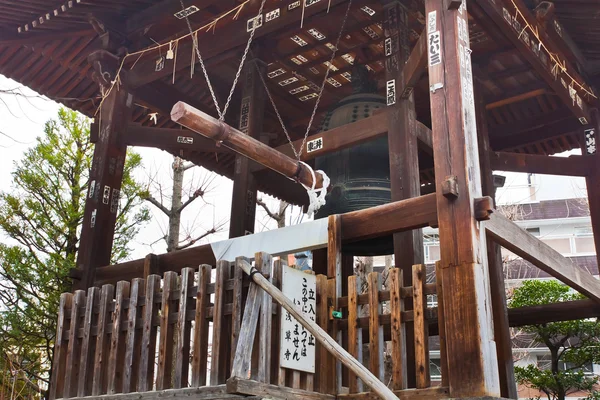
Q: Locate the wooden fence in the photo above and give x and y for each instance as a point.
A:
(182, 331)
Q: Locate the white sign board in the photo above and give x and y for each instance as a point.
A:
(297, 344)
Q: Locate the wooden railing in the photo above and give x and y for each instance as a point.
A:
(179, 334)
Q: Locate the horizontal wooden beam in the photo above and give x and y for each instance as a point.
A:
(170, 139)
(197, 393)
(414, 68)
(350, 135)
(502, 13)
(515, 99)
(250, 387)
(386, 219)
(509, 235)
(432, 393)
(555, 312)
(538, 164)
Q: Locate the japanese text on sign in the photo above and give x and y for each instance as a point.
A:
(590, 142)
(313, 145)
(297, 344)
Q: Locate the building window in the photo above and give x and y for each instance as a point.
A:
(432, 300)
(583, 231)
(544, 362)
(533, 231)
(435, 369)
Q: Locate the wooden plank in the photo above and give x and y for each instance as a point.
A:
(333, 374)
(151, 265)
(236, 309)
(323, 321)
(276, 370)
(57, 382)
(536, 164)
(102, 343)
(441, 326)
(265, 262)
(134, 338)
(512, 237)
(184, 326)
(148, 347)
(389, 218)
(243, 352)
(74, 346)
(406, 394)
(502, 334)
(354, 334)
(117, 340)
(217, 344)
(88, 344)
(398, 338)
(170, 138)
(593, 178)
(320, 335)
(334, 272)
(201, 328)
(421, 331)
(376, 342)
(246, 386)
(196, 393)
(165, 343)
(469, 334)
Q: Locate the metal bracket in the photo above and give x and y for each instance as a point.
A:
(435, 87)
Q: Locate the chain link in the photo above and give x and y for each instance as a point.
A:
(205, 72)
(297, 153)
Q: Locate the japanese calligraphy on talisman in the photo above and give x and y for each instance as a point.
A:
(590, 142)
(297, 344)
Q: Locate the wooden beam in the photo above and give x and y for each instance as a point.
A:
(589, 145)
(513, 238)
(231, 36)
(386, 219)
(160, 12)
(249, 387)
(502, 13)
(555, 312)
(433, 393)
(102, 201)
(516, 99)
(472, 363)
(403, 150)
(537, 164)
(237, 141)
(170, 139)
(350, 135)
(508, 386)
(243, 198)
(38, 38)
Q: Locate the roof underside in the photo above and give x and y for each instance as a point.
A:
(44, 45)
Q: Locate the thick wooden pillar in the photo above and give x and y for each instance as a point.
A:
(243, 204)
(106, 173)
(590, 150)
(404, 160)
(508, 386)
(472, 361)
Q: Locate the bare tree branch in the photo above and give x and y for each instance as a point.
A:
(158, 205)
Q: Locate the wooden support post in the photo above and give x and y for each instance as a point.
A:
(102, 202)
(243, 203)
(472, 362)
(591, 152)
(334, 272)
(404, 154)
(508, 385)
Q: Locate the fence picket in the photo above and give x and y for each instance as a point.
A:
(398, 338)
(216, 359)
(201, 325)
(421, 328)
(133, 342)
(88, 344)
(60, 348)
(74, 346)
(117, 341)
(375, 328)
(148, 347)
(442, 329)
(165, 344)
(102, 341)
(354, 332)
(182, 354)
(265, 261)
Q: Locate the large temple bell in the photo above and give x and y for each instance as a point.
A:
(360, 175)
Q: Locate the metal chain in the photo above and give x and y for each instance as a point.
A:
(298, 154)
(205, 72)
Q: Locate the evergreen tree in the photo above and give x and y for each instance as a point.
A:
(41, 217)
(573, 345)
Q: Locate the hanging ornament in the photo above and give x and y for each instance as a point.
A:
(170, 52)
